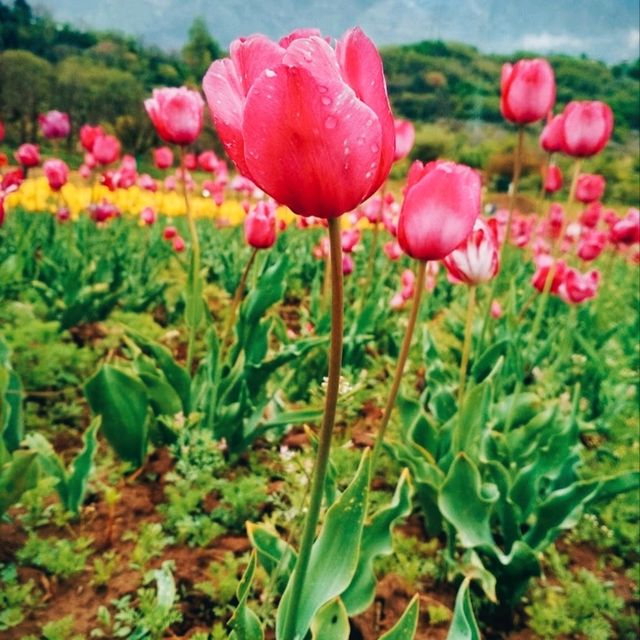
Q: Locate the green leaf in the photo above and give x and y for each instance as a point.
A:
(81, 468)
(334, 555)
(244, 622)
(464, 625)
(276, 556)
(121, 400)
(194, 303)
(471, 420)
(331, 622)
(463, 504)
(17, 476)
(376, 541)
(405, 628)
(485, 363)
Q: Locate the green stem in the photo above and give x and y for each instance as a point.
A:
(326, 431)
(466, 349)
(238, 297)
(373, 250)
(402, 359)
(195, 248)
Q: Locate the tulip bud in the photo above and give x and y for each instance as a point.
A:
(551, 138)
(28, 155)
(260, 226)
(162, 157)
(590, 187)
(591, 244)
(553, 179)
(178, 244)
(176, 114)
(106, 149)
(148, 216)
(169, 232)
(56, 171)
(54, 124)
(528, 90)
(405, 137)
(587, 127)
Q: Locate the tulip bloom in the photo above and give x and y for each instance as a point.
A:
(591, 244)
(441, 205)
(591, 215)
(208, 161)
(88, 135)
(310, 125)
(56, 171)
(349, 239)
(553, 179)
(103, 211)
(496, 309)
(543, 264)
(63, 214)
(146, 182)
(169, 232)
(393, 250)
(587, 127)
(627, 229)
(527, 91)
(148, 216)
(405, 137)
(28, 155)
(162, 157)
(54, 124)
(577, 287)
(176, 114)
(476, 258)
(551, 138)
(590, 187)
(347, 264)
(260, 226)
(106, 149)
(190, 161)
(178, 244)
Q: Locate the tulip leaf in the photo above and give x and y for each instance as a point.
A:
(464, 625)
(81, 468)
(121, 399)
(405, 628)
(376, 541)
(17, 476)
(334, 555)
(275, 555)
(244, 622)
(331, 622)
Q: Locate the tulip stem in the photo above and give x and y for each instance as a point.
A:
(574, 182)
(402, 359)
(238, 297)
(326, 431)
(195, 248)
(373, 250)
(466, 348)
(517, 170)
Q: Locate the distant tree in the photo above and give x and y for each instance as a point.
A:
(201, 49)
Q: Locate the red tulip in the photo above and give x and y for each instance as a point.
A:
(176, 114)
(169, 232)
(260, 226)
(551, 138)
(587, 127)
(146, 182)
(54, 124)
(103, 211)
(84, 171)
(555, 220)
(88, 135)
(577, 287)
(347, 264)
(106, 149)
(476, 258)
(56, 172)
(310, 125)
(591, 215)
(627, 229)
(90, 160)
(178, 244)
(543, 264)
(163, 157)
(393, 250)
(148, 216)
(405, 137)
(553, 179)
(349, 239)
(527, 90)
(208, 161)
(441, 204)
(591, 244)
(590, 187)
(190, 161)
(28, 155)
(63, 214)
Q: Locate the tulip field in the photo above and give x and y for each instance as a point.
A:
(304, 385)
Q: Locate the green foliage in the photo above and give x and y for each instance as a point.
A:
(15, 597)
(60, 629)
(150, 541)
(18, 473)
(60, 557)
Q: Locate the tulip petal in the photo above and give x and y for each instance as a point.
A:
(315, 55)
(223, 88)
(312, 146)
(252, 56)
(361, 67)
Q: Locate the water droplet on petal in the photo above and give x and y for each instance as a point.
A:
(270, 73)
(368, 175)
(326, 100)
(375, 148)
(331, 122)
(323, 89)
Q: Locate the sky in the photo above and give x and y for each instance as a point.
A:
(608, 30)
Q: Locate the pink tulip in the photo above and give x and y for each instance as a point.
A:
(408, 280)
(577, 287)
(162, 157)
(553, 179)
(178, 244)
(28, 155)
(441, 204)
(555, 220)
(84, 171)
(88, 135)
(146, 182)
(393, 250)
(89, 160)
(260, 226)
(190, 161)
(591, 244)
(63, 214)
(208, 161)
(54, 124)
(405, 137)
(587, 127)
(397, 301)
(106, 149)
(310, 125)
(496, 309)
(476, 258)
(590, 187)
(103, 211)
(176, 114)
(527, 90)
(591, 215)
(148, 216)
(349, 239)
(627, 230)
(56, 171)
(169, 232)
(551, 138)
(347, 264)
(543, 264)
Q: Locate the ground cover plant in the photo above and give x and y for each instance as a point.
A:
(314, 390)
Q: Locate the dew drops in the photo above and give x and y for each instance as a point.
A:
(331, 122)
(368, 175)
(270, 73)
(375, 148)
(323, 89)
(326, 100)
